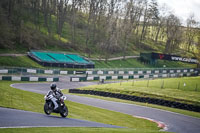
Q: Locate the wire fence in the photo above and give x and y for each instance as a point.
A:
(179, 84)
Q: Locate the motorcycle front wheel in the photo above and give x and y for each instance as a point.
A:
(64, 111)
(46, 109)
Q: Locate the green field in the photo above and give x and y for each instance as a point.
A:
(24, 100)
(185, 90)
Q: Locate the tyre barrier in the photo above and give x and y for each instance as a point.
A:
(149, 100)
(25, 78)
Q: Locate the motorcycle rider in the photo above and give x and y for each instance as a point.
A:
(56, 93)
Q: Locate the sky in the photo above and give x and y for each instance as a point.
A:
(183, 8)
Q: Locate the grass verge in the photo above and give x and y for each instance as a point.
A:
(184, 90)
(24, 100)
(74, 130)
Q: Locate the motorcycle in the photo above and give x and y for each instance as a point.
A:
(49, 106)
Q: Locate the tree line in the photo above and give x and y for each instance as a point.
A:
(111, 26)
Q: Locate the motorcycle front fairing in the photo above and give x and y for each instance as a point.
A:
(49, 106)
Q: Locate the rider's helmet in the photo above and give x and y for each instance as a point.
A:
(53, 86)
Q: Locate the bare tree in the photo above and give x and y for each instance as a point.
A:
(109, 41)
(146, 18)
(155, 18)
(173, 33)
(91, 23)
(163, 13)
(74, 9)
(190, 31)
(196, 50)
(197, 54)
(46, 12)
(36, 11)
(127, 23)
(104, 26)
(61, 15)
(6, 35)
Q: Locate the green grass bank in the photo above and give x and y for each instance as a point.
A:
(24, 61)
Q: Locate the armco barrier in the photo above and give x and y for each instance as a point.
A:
(25, 78)
(139, 99)
(36, 71)
(135, 76)
(140, 71)
(133, 71)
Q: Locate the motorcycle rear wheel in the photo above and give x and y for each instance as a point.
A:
(64, 112)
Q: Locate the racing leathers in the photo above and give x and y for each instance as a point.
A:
(56, 95)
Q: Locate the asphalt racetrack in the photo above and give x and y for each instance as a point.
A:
(174, 122)
(19, 118)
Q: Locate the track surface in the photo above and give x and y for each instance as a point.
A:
(19, 118)
(175, 122)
